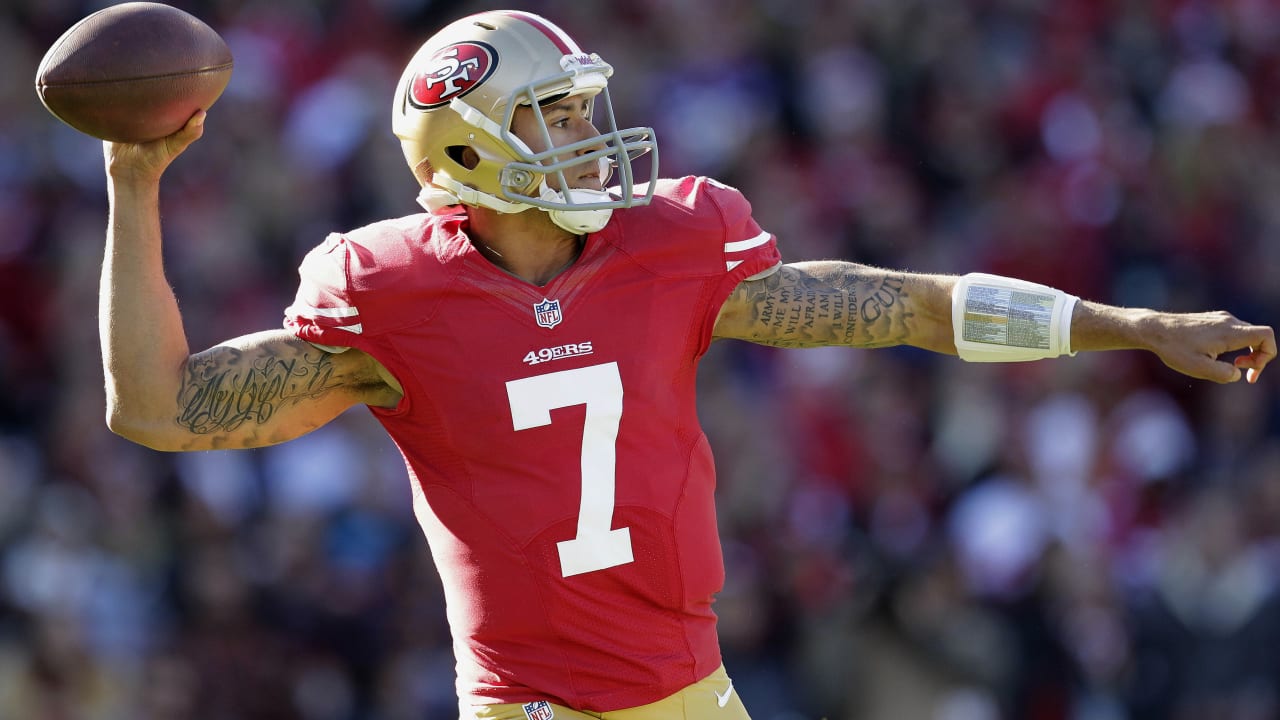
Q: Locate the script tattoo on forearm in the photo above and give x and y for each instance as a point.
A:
(225, 388)
(882, 299)
(819, 304)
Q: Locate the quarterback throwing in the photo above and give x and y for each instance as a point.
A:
(531, 342)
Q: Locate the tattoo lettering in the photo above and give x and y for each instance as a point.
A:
(224, 390)
(826, 303)
(882, 299)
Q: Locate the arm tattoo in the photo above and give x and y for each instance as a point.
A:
(829, 303)
(227, 387)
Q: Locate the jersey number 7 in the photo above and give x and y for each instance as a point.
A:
(599, 387)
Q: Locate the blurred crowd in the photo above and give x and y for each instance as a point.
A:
(907, 536)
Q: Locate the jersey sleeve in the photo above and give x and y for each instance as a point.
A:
(324, 310)
(743, 250)
(698, 227)
(355, 285)
(749, 251)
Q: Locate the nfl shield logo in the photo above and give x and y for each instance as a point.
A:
(540, 710)
(547, 313)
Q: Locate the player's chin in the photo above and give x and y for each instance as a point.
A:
(587, 182)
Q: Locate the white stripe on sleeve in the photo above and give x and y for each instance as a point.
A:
(338, 312)
(740, 245)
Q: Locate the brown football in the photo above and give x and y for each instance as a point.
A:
(133, 72)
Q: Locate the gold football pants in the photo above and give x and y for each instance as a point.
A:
(712, 698)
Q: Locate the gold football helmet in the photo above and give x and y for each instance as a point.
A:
(461, 90)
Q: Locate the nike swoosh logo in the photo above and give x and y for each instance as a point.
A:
(723, 699)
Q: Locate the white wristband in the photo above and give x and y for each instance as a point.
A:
(1000, 319)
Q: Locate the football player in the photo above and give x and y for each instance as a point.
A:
(531, 343)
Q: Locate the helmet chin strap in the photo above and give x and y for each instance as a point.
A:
(578, 221)
(434, 197)
(443, 191)
(581, 221)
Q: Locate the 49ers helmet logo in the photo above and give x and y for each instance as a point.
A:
(452, 72)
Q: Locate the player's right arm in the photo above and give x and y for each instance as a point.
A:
(255, 390)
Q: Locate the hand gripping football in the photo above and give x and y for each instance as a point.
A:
(133, 72)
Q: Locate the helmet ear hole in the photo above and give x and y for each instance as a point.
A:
(463, 155)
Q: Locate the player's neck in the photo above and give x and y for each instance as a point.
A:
(527, 244)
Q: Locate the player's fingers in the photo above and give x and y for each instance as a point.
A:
(1250, 374)
(1205, 368)
(189, 133)
(1221, 372)
(1262, 350)
(157, 152)
(1252, 364)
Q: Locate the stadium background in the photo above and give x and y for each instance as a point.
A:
(907, 536)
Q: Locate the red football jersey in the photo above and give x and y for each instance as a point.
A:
(559, 470)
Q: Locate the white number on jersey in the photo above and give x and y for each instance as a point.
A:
(599, 387)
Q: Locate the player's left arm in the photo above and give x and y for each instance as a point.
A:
(815, 304)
